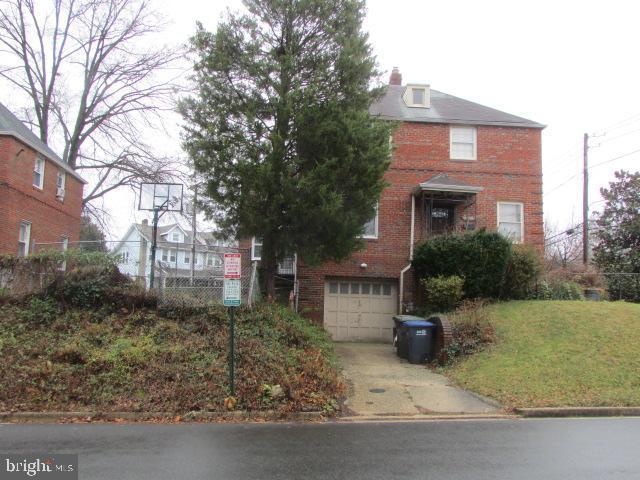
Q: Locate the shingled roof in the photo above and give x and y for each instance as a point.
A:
(444, 108)
(12, 126)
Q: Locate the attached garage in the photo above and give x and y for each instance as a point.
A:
(360, 310)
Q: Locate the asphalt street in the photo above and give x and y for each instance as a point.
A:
(480, 449)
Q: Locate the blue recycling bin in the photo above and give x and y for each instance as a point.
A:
(399, 333)
(419, 336)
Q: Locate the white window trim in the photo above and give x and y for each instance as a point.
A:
(253, 246)
(521, 218)
(26, 241)
(375, 235)
(410, 102)
(408, 96)
(44, 163)
(475, 143)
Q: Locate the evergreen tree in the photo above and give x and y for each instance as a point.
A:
(618, 236)
(280, 129)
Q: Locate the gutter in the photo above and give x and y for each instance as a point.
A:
(406, 269)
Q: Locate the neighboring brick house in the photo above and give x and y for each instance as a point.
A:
(40, 195)
(456, 165)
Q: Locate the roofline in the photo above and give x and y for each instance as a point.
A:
(59, 162)
(458, 121)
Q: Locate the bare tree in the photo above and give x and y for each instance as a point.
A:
(563, 247)
(93, 77)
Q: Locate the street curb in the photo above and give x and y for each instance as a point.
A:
(552, 412)
(195, 416)
(422, 417)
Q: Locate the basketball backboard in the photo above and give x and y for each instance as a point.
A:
(161, 197)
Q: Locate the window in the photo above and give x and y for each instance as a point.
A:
(172, 256)
(187, 257)
(511, 221)
(371, 227)
(463, 143)
(165, 255)
(60, 182)
(124, 257)
(175, 237)
(417, 96)
(24, 237)
(214, 261)
(38, 173)
(256, 248)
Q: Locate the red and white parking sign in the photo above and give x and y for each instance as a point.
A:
(232, 265)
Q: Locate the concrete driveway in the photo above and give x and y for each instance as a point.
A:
(383, 384)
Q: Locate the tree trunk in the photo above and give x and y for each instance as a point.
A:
(270, 265)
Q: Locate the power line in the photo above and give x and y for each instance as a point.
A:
(615, 158)
(592, 166)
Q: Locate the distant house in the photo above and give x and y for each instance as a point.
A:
(173, 254)
(40, 194)
(456, 166)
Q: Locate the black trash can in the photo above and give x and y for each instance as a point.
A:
(399, 333)
(419, 337)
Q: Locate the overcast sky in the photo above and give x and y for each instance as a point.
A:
(570, 65)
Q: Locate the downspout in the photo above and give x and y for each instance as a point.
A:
(406, 269)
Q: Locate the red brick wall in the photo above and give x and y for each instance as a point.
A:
(508, 166)
(50, 218)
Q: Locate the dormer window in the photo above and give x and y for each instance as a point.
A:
(175, 237)
(417, 96)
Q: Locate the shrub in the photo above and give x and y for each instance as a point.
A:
(472, 329)
(523, 270)
(480, 258)
(88, 285)
(443, 293)
(40, 311)
(557, 290)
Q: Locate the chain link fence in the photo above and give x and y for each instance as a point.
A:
(182, 274)
(603, 285)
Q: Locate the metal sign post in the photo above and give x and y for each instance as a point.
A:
(231, 298)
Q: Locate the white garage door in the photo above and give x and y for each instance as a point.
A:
(360, 310)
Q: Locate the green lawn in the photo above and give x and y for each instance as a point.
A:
(558, 353)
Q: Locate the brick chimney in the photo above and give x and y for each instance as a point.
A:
(396, 77)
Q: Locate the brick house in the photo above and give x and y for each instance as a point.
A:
(457, 165)
(40, 195)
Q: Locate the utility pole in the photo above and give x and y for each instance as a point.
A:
(585, 202)
(193, 233)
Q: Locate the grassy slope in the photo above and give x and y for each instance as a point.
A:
(83, 359)
(558, 353)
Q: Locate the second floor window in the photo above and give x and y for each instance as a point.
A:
(175, 236)
(463, 144)
(38, 173)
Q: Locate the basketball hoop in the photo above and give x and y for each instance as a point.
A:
(159, 198)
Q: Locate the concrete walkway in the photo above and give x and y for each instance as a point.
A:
(383, 384)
